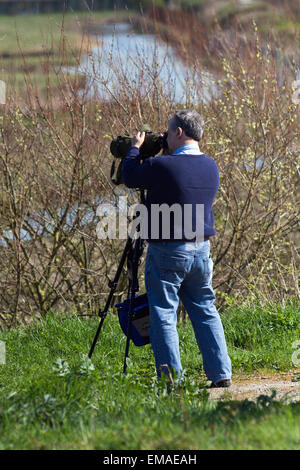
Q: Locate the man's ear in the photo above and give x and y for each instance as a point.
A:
(179, 132)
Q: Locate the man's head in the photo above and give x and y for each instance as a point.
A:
(185, 127)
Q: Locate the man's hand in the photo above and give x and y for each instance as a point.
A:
(138, 140)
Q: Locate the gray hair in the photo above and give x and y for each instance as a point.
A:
(190, 122)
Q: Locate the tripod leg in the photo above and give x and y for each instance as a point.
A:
(130, 315)
(137, 253)
(113, 286)
(96, 337)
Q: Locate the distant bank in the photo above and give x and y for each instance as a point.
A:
(14, 7)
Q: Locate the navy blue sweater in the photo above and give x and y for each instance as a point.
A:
(171, 179)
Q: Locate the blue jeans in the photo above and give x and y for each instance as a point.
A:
(183, 270)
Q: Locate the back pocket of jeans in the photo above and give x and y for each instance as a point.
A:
(173, 268)
(207, 268)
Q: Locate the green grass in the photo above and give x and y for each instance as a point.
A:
(38, 33)
(53, 397)
(262, 337)
(38, 30)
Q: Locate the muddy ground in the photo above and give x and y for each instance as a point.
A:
(286, 385)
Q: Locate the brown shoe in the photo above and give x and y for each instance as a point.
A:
(221, 384)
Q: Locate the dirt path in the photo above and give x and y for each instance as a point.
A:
(253, 386)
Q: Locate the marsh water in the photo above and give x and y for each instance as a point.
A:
(141, 63)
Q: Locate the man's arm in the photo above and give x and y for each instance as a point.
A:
(134, 173)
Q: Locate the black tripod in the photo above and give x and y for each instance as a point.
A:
(132, 252)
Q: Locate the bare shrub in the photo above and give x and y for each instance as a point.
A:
(55, 164)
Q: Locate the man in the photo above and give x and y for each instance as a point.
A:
(178, 267)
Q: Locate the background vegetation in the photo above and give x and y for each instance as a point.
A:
(55, 170)
(55, 164)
